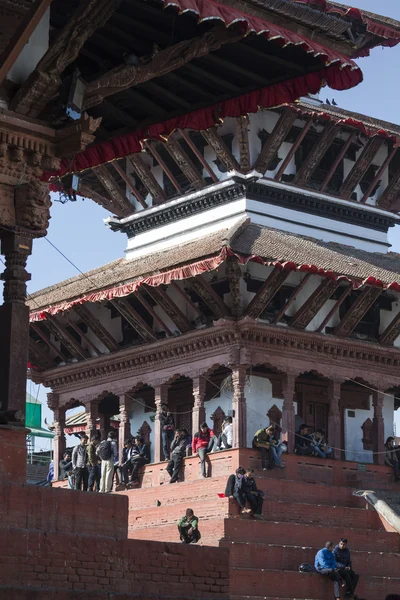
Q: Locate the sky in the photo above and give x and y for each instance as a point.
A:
(77, 228)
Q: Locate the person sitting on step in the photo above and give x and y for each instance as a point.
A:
(276, 446)
(391, 457)
(223, 441)
(325, 564)
(167, 424)
(319, 444)
(242, 487)
(139, 460)
(344, 567)
(302, 442)
(188, 528)
(178, 451)
(202, 443)
(261, 441)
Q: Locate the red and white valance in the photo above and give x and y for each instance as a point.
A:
(337, 71)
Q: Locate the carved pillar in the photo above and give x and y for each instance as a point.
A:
(92, 413)
(199, 412)
(378, 428)
(59, 438)
(288, 416)
(334, 420)
(124, 431)
(14, 323)
(239, 406)
(160, 397)
(104, 425)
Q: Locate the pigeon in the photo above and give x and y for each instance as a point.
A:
(327, 102)
(131, 59)
(333, 102)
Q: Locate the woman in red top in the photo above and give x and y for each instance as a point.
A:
(202, 444)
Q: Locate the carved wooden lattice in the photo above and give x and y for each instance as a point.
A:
(218, 418)
(367, 427)
(144, 432)
(184, 418)
(275, 416)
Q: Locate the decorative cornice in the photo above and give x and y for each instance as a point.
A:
(280, 346)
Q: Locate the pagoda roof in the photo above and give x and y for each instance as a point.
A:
(245, 240)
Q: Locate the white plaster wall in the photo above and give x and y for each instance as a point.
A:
(224, 401)
(258, 394)
(353, 431)
(137, 418)
(387, 316)
(32, 52)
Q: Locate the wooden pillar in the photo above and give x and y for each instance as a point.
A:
(288, 416)
(104, 425)
(378, 428)
(14, 323)
(239, 406)
(334, 420)
(92, 414)
(124, 431)
(199, 412)
(59, 438)
(160, 397)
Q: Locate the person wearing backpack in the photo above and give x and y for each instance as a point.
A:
(108, 453)
(79, 464)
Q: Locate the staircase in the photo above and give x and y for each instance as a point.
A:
(300, 515)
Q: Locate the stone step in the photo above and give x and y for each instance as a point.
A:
(275, 556)
(211, 533)
(284, 584)
(281, 533)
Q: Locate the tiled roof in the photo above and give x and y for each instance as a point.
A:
(79, 418)
(123, 271)
(274, 245)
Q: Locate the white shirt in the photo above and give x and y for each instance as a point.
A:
(228, 431)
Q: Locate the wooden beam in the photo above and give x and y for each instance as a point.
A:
(25, 29)
(242, 128)
(363, 162)
(391, 333)
(112, 188)
(38, 357)
(153, 150)
(84, 337)
(294, 149)
(97, 328)
(134, 319)
(149, 181)
(274, 60)
(316, 154)
(234, 274)
(120, 114)
(338, 160)
(204, 74)
(36, 328)
(181, 81)
(221, 150)
(161, 297)
(346, 291)
(144, 104)
(169, 59)
(292, 297)
(313, 304)
(65, 337)
(182, 293)
(353, 316)
(33, 96)
(87, 192)
(152, 312)
(209, 295)
(275, 140)
(198, 155)
(185, 164)
(162, 92)
(379, 174)
(236, 69)
(267, 291)
(130, 183)
(391, 193)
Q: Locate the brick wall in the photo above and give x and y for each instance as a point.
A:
(73, 563)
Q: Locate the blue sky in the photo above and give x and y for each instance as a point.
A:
(78, 230)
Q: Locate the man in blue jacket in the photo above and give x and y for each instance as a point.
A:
(325, 564)
(344, 566)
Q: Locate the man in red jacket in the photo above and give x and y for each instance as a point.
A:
(202, 444)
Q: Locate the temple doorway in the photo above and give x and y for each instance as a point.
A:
(180, 402)
(313, 401)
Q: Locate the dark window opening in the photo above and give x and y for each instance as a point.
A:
(370, 322)
(277, 303)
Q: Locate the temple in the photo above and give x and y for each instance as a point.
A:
(257, 282)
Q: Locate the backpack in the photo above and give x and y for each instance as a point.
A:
(104, 450)
(306, 568)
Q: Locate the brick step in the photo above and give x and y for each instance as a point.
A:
(280, 490)
(169, 515)
(275, 556)
(300, 534)
(269, 598)
(254, 582)
(211, 533)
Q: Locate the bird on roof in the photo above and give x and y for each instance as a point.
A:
(327, 102)
(333, 102)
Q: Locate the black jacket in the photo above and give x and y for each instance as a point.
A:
(342, 557)
(178, 446)
(166, 420)
(302, 440)
(65, 467)
(144, 452)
